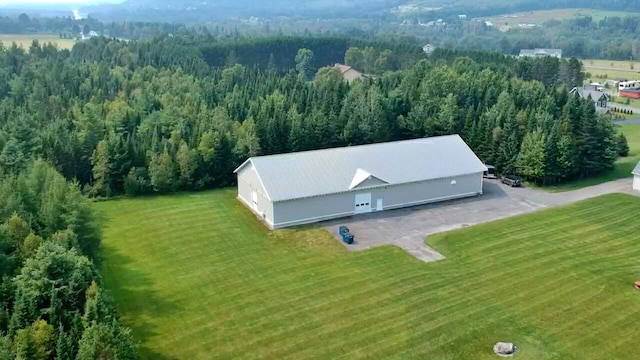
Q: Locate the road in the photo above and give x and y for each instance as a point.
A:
(627, 121)
(407, 228)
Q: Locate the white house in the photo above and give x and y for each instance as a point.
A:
(428, 49)
(310, 186)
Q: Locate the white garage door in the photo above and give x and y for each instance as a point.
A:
(363, 203)
(636, 182)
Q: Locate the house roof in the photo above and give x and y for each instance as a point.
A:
(636, 170)
(322, 172)
(344, 68)
(541, 52)
(585, 92)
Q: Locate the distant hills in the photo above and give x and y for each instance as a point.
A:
(204, 10)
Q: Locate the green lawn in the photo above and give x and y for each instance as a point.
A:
(622, 168)
(198, 277)
(632, 102)
(602, 70)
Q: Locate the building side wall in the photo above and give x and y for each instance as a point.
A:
(249, 182)
(636, 182)
(630, 94)
(309, 210)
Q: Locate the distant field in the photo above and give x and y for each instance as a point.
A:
(25, 40)
(610, 69)
(622, 168)
(197, 276)
(539, 17)
(632, 102)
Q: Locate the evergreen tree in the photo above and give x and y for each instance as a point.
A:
(532, 158)
(298, 136)
(162, 172)
(5, 348)
(64, 346)
(101, 162)
(187, 161)
(304, 62)
(622, 145)
(107, 341)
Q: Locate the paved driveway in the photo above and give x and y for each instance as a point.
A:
(408, 227)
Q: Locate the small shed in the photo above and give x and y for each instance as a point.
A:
(636, 177)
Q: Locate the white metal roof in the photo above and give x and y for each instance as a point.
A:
(322, 172)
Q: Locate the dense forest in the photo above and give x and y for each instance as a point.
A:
(155, 116)
(67, 27)
(614, 38)
(52, 302)
(195, 11)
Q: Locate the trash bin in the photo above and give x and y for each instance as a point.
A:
(343, 230)
(347, 238)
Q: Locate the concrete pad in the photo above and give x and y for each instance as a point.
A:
(408, 228)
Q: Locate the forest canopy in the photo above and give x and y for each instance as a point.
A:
(166, 115)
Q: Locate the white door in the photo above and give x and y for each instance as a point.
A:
(363, 203)
(379, 205)
(254, 200)
(636, 182)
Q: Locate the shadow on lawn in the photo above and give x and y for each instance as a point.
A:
(136, 300)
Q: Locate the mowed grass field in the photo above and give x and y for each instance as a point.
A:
(198, 277)
(622, 168)
(25, 40)
(601, 70)
(540, 16)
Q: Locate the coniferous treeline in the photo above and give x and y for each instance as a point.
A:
(153, 116)
(52, 303)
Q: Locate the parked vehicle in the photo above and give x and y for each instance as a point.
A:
(511, 180)
(490, 173)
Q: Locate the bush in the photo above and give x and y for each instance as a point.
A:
(622, 145)
(135, 182)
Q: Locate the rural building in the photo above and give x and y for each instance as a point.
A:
(541, 53)
(428, 49)
(311, 186)
(612, 83)
(636, 177)
(630, 93)
(348, 73)
(599, 98)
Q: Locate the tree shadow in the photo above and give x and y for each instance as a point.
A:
(136, 299)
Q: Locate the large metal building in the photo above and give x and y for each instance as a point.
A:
(311, 186)
(636, 177)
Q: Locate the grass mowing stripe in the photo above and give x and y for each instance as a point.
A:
(198, 277)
